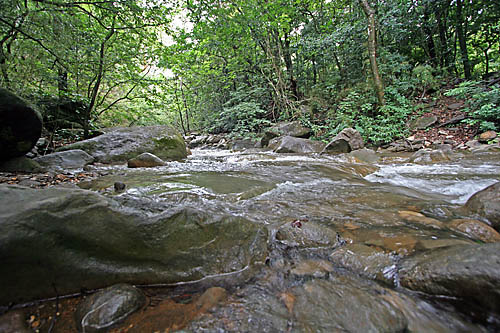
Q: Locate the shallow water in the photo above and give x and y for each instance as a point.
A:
(364, 204)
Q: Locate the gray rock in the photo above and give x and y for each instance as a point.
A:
(145, 160)
(119, 186)
(74, 239)
(108, 307)
(20, 126)
(122, 144)
(289, 144)
(21, 164)
(423, 122)
(470, 272)
(292, 128)
(307, 234)
(64, 160)
(430, 156)
(346, 141)
(365, 155)
(243, 144)
(366, 261)
(198, 141)
(486, 203)
(345, 304)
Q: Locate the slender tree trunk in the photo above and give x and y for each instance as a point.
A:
(62, 82)
(372, 50)
(97, 84)
(185, 106)
(462, 41)
(431, 47)
(180, 111)
(289, 66)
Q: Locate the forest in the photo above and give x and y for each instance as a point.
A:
(237, 66)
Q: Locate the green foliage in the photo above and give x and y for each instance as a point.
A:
(483, 104)
(357, 110)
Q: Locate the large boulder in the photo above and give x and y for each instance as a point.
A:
(69, 239)
(346, 141)
(469, 272)
(64, 160)
(486, 203)
(124, 143)
(422, 122)
(20, 126)
(291, 128)
(289, 144)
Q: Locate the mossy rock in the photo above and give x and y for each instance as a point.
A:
(124, 143)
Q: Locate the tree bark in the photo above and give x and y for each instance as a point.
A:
(372, 51)
(99, 75)
(461, 34)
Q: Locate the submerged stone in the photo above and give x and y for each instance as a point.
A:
(345, 304)
(108, 307)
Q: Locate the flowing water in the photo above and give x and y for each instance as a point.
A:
(371, 205)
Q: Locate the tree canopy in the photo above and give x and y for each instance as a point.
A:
(237, 65)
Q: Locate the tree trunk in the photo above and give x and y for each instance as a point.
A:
(372, 51)
(462, 41)
(431, 47)
(99, 75)
(287, 57)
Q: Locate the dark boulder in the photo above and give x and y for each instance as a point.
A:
(486, 204)
(345, 142)
(469, 272)
(20, 126)
(292, 128)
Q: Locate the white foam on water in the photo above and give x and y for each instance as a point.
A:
(452, 180)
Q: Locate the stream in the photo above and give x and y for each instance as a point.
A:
(359, 220)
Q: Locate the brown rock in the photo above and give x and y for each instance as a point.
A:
(476, 229)
(487, 136)
(486, 203)
(145, 160)
(416, 217)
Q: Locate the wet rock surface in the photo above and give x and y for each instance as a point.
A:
(80, 239)
(486, 204)
(263, 242)
(469, 272)
(108, 307)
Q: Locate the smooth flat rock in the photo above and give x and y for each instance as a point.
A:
(74, 239)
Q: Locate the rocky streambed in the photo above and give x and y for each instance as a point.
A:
(256, 241)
